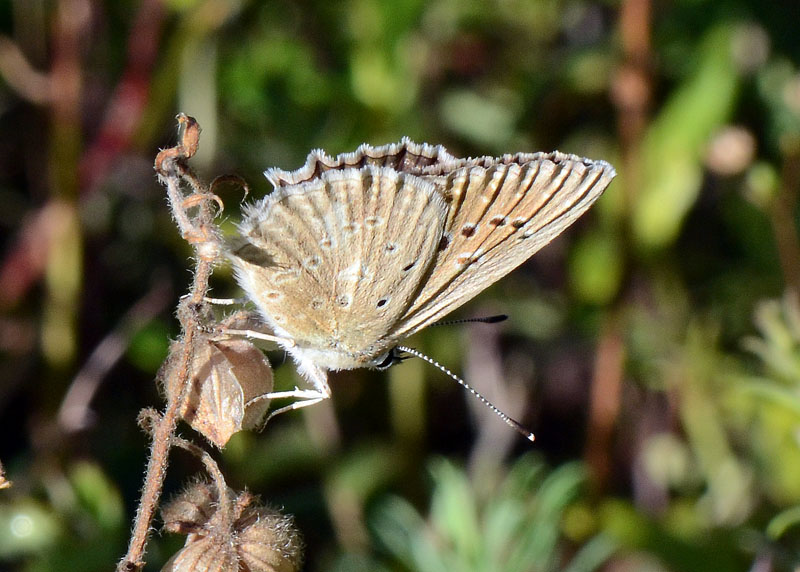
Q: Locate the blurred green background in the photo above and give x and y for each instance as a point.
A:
(654, 348)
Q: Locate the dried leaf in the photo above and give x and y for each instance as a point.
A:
(226, 378)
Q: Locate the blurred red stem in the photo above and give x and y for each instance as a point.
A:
(128, 102)
(605, 400)
(72, 22)
(631, 88)
(783, 215)
(630, 92)
(61, 87)
(26, 260)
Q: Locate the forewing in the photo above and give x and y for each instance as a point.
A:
(335, 262)
(500, 216)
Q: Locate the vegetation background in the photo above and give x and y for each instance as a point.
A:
(654, 348)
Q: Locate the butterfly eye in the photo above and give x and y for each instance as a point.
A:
(386, 360)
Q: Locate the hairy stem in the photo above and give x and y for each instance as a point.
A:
(203, 235)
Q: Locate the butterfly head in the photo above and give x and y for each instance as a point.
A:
(333, 358)
(388, 359)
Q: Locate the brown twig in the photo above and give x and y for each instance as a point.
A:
(149, 419)
(200, 231)
(212, 468)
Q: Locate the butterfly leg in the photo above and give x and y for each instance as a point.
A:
(256, 335)
(244, 323)
(225, 301)
(305, 402)
(305, 397)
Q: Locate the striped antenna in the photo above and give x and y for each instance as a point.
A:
(484, 320)
(515, 425)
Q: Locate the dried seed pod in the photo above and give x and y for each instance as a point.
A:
(4, 483)
(226, 377)
(204, 554)
(238, 534)
(268, 541)
(190, 510)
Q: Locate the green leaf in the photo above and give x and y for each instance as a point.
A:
(98, 495)
(596, 268)
(673, 146)
(454, 511)
(781, 522)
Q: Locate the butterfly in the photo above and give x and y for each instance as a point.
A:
(350, 255)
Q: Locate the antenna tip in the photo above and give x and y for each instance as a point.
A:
(519, 428)
(497, 318)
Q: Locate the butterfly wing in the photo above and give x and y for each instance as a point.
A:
(499, 215)
(404, 157)
(335, 261)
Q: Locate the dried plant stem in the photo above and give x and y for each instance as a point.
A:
(224, 499)
(203, 235)
(159, 451)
